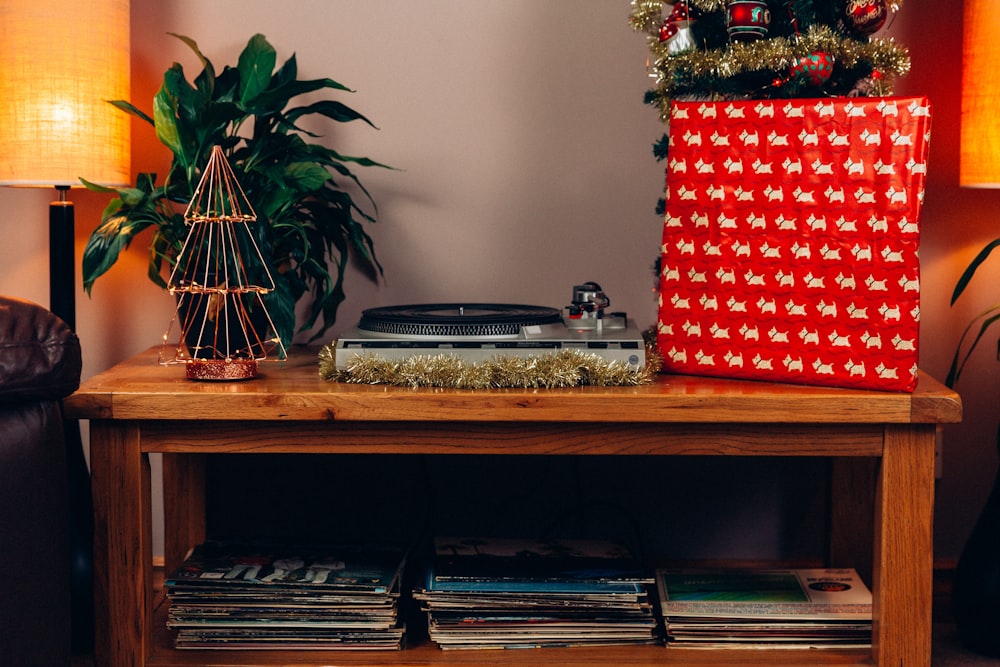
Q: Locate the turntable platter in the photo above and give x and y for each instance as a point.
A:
(456, 319)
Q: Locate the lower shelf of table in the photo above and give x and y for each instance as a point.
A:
(426, 654)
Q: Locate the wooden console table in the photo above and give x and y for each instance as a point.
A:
(881, 445)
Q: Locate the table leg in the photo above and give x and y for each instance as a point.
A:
(122, 545)
(183, 506)
(852, 502)
(904, 558)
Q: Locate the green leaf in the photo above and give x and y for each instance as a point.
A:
(989, 317)
(280, 305)
(227, 86)
(128, 107)
(95, 187)
(213, 125)
(193, 45)
(205, 80)
(255, 66)
(335, 157)
(281, 92)
(162, 251)
(287, 73)
(165, 113)
(970, 271)
(307, 176)
(331, 109)
(107, 242)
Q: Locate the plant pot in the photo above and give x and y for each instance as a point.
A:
(221, 369)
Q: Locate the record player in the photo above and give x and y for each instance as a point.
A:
(477, 332)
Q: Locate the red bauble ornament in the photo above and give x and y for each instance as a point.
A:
(867, 16)
(815, 68)
(747, 20)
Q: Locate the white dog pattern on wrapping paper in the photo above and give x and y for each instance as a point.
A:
(805, 210)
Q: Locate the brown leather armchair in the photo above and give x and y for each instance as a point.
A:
(39, 365)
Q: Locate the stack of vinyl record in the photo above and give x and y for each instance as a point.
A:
(230, 595)
(796, 608)
(505, 593)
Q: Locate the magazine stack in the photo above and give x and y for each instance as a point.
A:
(509, 593)
(797, 608)
(230, 595)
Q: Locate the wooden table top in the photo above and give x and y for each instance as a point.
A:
(142, 389)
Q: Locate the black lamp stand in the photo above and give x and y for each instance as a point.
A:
(62, 302)
(62, 284)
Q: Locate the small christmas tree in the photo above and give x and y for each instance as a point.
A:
(219, 280)
(749, 49)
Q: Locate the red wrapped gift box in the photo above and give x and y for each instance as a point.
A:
(790, 242)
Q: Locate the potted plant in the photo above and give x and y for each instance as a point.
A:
(976, 583)
(308, 226)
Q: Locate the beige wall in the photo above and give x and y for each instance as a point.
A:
(525, 167)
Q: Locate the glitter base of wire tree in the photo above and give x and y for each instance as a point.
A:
(219, 283)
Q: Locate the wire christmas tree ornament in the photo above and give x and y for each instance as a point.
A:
(219, 281)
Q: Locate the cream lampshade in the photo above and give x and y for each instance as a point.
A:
(61, 61)
(980, 149)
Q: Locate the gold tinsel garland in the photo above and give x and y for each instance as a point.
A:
(776, 54)
(566, 368)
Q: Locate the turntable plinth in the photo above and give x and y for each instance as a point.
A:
(881, 445)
